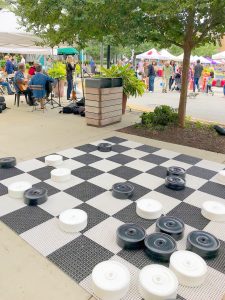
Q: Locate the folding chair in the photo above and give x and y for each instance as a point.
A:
(40, 99)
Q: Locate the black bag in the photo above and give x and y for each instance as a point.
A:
(81, 102)
(2, 100)
(72, 108)
(2, 107)
(48, 87)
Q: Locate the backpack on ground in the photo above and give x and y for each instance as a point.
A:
(2, 100)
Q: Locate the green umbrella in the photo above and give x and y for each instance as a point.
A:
(67, 51)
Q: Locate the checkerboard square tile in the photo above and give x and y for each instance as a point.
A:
(48, 237)
(108, 204)
(194, 182)
(70, 153)
(42, 173)
(105, 238)
(106, 181)
(30, 165)
(71, 164)
(119, 148)
(87, 159)
(210, 165)
(166, 153)
(21, 177)
(190, 215)
(3, 190)
(86, 148)
(147, 149)
(212, 228)
(25, 218)
(105, 165)
(180, 195)
(173, 162)
(131, 144)
(103, 154)
(65, 184)
(140, 165)
(198, 198)
(95, 216)
(155, 159)
(129, 215)
(148, 181)
(158, 171)
(8, 204)
(201, 172)
(125, 172)
(121, 159)
(187, 159)
(85, 191)
(135, 153)
(214, 189)
(8, 173)
(115, 140)
(74, 257)
(86, 172)
(51, 189)
(60, 202)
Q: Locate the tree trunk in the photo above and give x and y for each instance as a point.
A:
(184, 86)
(108, 56)
(124, 103)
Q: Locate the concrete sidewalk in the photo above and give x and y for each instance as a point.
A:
(25, 274)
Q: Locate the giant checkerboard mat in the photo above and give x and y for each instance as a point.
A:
(93, 174)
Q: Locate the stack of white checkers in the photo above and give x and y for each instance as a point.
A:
(54, 160)
(214, 211)
(17, 189)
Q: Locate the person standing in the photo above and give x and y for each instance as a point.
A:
(93, 66)
(171, 81)
(197, 74)
(167, 73)
(22, 61)
(209, 83)
(9, 65)
(70, 67)
(151, 75)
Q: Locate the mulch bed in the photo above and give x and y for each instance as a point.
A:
(201, 138)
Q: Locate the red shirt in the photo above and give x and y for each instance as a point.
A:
(32, 71)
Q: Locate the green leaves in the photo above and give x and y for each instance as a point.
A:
(132, 86)
(58, 70)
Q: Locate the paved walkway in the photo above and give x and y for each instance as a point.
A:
(25, 274)
(205, 107)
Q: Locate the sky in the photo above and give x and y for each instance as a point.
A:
(8, 22)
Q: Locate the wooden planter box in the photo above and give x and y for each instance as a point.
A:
(103, 106)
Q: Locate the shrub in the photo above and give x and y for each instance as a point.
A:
(163, 115)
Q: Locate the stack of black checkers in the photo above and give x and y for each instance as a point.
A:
(104, 147)
(7, 162)
(175, 178)
(162, 244)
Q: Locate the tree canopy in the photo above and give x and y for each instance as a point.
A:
(185, 24)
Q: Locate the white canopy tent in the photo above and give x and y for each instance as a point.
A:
(22, 43)
(180, 58)
(151, 54)
(167, 54)
(220, 55)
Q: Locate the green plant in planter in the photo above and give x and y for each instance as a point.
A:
(132, 86)
(58, 70)
(2, 64)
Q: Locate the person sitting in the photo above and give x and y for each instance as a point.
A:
(40, 79)
(32, 69)
(5, 84)
(21, 84)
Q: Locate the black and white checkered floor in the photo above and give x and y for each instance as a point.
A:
(93, 174)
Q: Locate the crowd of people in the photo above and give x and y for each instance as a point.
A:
(171, 74)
